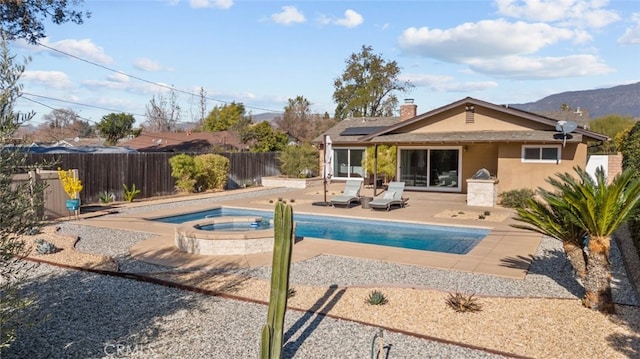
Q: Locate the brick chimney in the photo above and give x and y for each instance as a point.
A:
(408, 109)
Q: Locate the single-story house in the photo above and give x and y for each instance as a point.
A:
(440, 149)
(181, 142)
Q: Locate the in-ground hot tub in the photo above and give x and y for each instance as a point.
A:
(225, 236)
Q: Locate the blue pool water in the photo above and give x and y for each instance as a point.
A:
(455, 240)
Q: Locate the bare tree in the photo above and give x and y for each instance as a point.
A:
(164, 114)
(57, 124)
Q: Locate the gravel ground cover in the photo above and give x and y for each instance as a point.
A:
(96, 316)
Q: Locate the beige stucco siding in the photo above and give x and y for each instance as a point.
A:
(483, 120)
(477, 156)
(515, 174)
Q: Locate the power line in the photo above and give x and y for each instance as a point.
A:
(150, 82)
(47, 106)
(76, 103)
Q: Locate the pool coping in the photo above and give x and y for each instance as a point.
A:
(505, 251)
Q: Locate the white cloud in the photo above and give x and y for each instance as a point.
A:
(119, 77)
(581, 13)
(288, 16)
(541, 67)
(631, 35)
(84, 49)
(220, 4)
(145, 64)
(440, 83)
(351, 19)
(50, 79)
(484, 39)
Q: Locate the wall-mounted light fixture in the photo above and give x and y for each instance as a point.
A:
(465, 148)
(470, 108)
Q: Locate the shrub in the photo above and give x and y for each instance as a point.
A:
(211, 171)
(376, 297)
(516, 198)
(130, 194)
(183, 169)
(299, 161)
(463, 303)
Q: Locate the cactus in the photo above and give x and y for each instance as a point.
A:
(273, 331)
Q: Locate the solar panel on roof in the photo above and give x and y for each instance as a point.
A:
(361, 131)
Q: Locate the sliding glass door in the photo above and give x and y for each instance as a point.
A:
(347, 162)
(433, 168)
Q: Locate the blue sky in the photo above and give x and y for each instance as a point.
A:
(261, 53)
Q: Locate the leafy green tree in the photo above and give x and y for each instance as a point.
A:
(115, 126)
(226, 117)
(262, 138)
(612, 126)
(299, 161)
(582, 203)
(367, 87)
(20, 212)
(386, 162)
(631, 150)
(21, 19)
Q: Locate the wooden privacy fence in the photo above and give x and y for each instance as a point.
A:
(150, 172)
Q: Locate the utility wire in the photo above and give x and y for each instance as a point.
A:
(75, 103)
(47, 106)
(147, 81)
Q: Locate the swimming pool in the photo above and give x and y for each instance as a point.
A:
(454, 240)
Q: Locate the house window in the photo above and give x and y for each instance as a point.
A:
(347, 162)
(541, 154)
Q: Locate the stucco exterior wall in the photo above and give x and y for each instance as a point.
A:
(477, 156)
(483, 120)
(515, 174)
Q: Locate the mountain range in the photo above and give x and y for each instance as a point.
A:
(621, 100)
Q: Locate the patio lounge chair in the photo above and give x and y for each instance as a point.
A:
(391, 197)
(350, 194)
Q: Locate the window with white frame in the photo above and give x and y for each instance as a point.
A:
(347, 162)
(541, 153)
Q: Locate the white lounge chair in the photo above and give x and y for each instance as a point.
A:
(350, 194)
(391, 197)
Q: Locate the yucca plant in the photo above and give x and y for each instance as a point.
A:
(376, 297)
(463, 303)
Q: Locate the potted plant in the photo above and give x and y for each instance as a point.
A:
(72, 186)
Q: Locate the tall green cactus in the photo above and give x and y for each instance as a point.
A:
(273, 331)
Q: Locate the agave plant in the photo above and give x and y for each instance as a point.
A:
(44, 247)
(376, 297)
(463, 303)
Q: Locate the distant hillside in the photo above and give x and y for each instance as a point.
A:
(621, 100)
(267, 116)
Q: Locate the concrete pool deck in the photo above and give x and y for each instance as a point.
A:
(505, 252)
